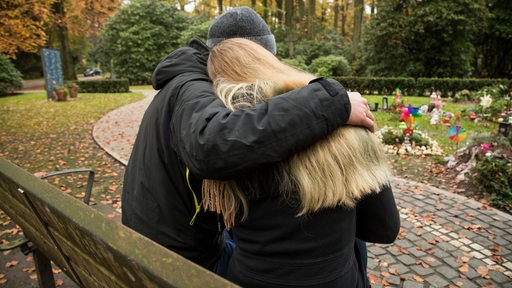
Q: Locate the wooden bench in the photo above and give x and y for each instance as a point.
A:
(93, 250)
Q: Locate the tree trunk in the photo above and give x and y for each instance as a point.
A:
(288, 22)
(265, 11)
(344, 8)
(311, 18)
(68, 68)
(220, 7)
(279, 12)
(336, 14)
(358, 25)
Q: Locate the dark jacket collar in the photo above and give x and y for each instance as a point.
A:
(191, 58)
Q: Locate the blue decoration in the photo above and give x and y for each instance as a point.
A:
(52, 68)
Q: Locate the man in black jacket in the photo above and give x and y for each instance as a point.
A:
(187, 134)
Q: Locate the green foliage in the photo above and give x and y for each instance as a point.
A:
(197, 30)
(427, 39)
(328, 66)
(494, 43)
(139, 36)
(499, 169)
(310, 50)
(104, 86)
(297, 63)
(463, 95)
(10, 77)
(395, 136)
(421, 86)
(497, 93)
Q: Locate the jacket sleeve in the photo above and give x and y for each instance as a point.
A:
(215, 142)
(378, 220)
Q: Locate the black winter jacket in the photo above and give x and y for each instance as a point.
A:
(277, 248)
(187, 128)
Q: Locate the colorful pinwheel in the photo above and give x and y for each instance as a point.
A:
(409, 116)
(457, 133)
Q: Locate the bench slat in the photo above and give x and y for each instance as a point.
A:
(102, 252)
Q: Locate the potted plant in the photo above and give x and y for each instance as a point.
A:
(73, 90)
(59, 92)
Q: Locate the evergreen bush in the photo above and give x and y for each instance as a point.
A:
(328, 66)
(10, 78)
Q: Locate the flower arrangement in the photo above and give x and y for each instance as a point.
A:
(395, 142)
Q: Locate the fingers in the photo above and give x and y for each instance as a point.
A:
(360, 114)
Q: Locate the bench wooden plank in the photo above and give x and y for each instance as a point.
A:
(93, 250)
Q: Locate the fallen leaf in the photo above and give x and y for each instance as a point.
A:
(497, 259)
(29, 270)
(11, 264)
(464, 268)
(418, 278)
(374, 279)
(422, 263)
(58, 282)
(431, 259)
(393, 271)
(484, 271)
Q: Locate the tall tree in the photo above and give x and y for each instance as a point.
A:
(494, 46)
(139, 36)
(336, 14)
(423, 38)
(23, 26)
(289, 26)
(61, 30)
(358, 26)
(220, 7)
(311, 18)
(344, 12)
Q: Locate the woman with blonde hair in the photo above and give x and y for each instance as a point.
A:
(295, 222)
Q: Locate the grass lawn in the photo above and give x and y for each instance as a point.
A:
(42, 136)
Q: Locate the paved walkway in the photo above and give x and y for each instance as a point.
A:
(446, 240)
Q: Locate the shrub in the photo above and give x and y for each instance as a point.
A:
(138, 36)
(10, 78)
(104, 86)
(499, 169)
(498, 103)
(493, 155)
(329, 66)
(297, 63)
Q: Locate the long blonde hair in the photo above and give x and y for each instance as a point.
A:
(337, 170)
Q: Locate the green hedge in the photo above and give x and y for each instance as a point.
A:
(416, 87)
(104, 86)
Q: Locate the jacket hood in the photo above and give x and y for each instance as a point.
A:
(192, 58)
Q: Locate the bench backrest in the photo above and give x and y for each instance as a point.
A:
(93, 250)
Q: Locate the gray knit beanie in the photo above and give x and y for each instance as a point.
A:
(241, 22)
